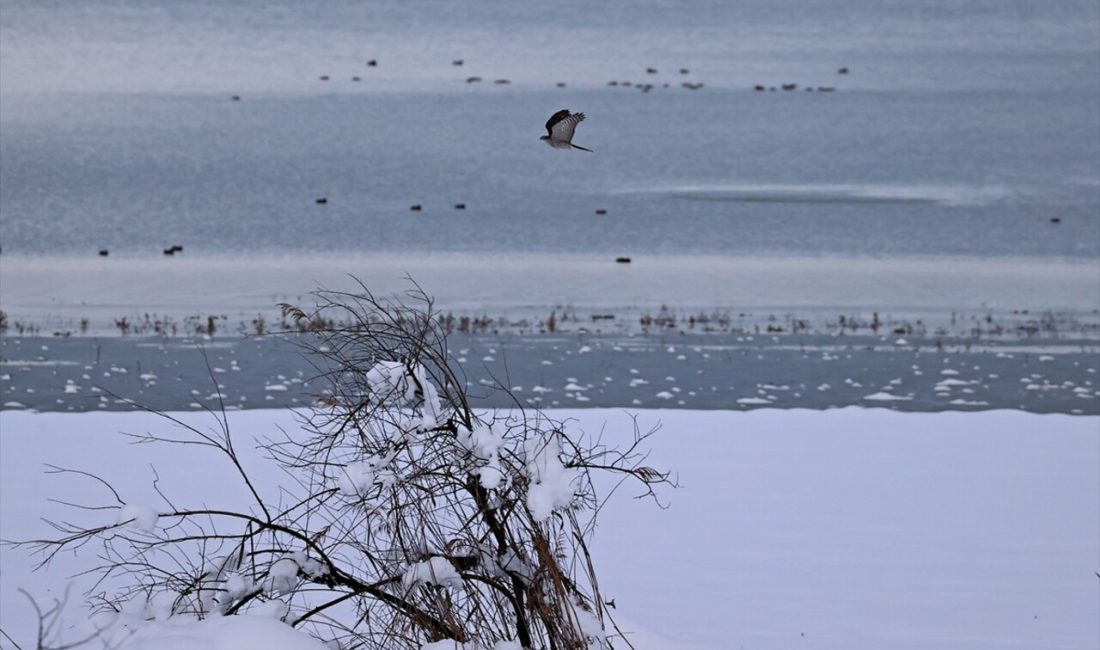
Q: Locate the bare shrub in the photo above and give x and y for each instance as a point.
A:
(413, 519)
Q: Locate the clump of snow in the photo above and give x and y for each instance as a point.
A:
(485, 445)
(386, 381)
(139, 516)
(282, 576)
(237, 586)
(242, 632)
(450, 644)
(430, 406)
(273, 608)
(590, 627)
(552, 483)
(359, 479)
(434, 571)
(395, 385)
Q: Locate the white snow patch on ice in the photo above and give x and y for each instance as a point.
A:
(886, 397)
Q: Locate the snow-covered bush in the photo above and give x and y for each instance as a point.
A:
(413, 522)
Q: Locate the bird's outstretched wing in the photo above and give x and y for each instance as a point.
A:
(554, 119)
(562, 125)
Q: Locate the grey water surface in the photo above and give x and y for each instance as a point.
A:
(960, 129)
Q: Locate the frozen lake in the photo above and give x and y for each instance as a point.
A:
(680, 370)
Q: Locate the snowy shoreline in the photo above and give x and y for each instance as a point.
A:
(73, 296)
(847, 528)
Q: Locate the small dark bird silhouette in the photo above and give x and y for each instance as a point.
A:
(372, 63)
(104, 252)
(416, 208)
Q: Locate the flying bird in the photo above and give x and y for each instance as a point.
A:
(560, 128)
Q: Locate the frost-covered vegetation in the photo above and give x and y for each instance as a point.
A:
(408, 520)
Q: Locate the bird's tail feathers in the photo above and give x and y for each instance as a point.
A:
(582, 148)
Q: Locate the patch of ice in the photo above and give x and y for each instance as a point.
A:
(886, 397)
(753, 400)
(963, 402)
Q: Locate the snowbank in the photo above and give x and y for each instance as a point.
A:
(228, 633)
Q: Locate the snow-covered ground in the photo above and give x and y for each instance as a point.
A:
(848, 528)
